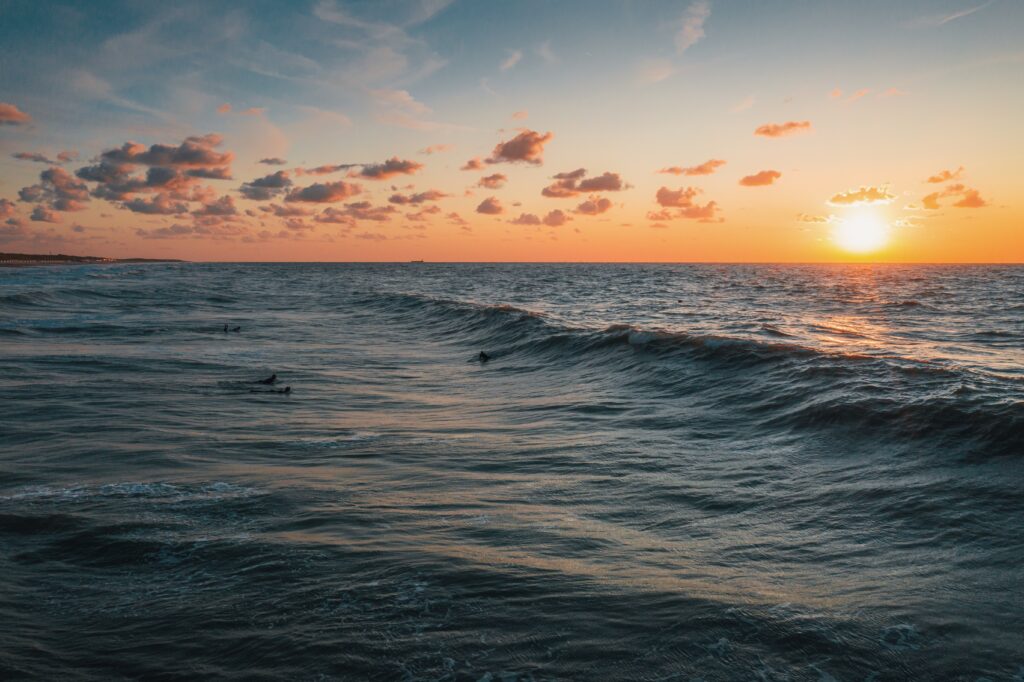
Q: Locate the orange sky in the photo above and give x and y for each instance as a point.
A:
(693, 131)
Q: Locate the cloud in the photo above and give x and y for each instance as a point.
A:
(691, 28)
(326, 169)
(437, 148)
(33, 156)
(267, 187)
(514, 56)
(6, 208)
(490, 206)
(805, 218)
(527, 147)
(679, 198)
(195, 151)
(44, 215)
(573, 183)
(935, 20)
(679, 204)
(743, 104)
(325, 192)
(706, 168)
(473, 165)
(969, 198)
(59, 188)
(526, 219)
(765, 177)
(556, 218)
(160, 204)
(946, 175)
(864, 195)
(67, 156)
(224, 206)
(836, 93)
(783, 129)
(11, 115)
(520, 115)
(273, 161)
(456, 219)
(654, 71)
(595, 205)
(287, 211)
(419, 198)
(495, 181)
(891, 92)
(863, 92)
(389, 169)
(224, 108)
(545, 52)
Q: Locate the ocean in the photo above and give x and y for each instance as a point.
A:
(662, 472)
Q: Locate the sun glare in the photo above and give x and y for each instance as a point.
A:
(862, 232)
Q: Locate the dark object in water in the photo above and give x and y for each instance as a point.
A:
(268, 381)
(287, 390)
(233, 329)
(483, 357)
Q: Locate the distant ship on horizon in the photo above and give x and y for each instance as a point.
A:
(416, 261)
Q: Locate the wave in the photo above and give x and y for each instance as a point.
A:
(788, 387)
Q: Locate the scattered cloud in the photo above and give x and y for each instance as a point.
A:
(418, 198)
(864, 195)
(743, 104)
(389, 169)
(946, 175)
(437, 149)
(936, 20)
(654, 71)
(574, 183)
(760, 179)
(473, 165)
(679, 204)
(969, 198)
(783, 129)
(706, 168)
(59, 189)
(526, 147)
(267, 187)
(513, 58)
(836, 93)
(863, 92)
(273, 161)
(495, 181)
(594, 205)
(520, 115)
(691, 28)
(526, 219)
(324, 193)
(490, 206)
(11, 115)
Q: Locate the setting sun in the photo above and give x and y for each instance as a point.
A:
(862, 232)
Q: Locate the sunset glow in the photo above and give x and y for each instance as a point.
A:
(446, 131)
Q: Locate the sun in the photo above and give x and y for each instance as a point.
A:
(862, 232)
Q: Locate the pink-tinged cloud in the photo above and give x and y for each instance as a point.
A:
(424, 213)
(11, 115)
(863, 92)
(490, 206)
(273, 161)
(35, 157)
(418, 198)
(526, 147)
(456, 219)
(326, 169)
(760, 179)
(195, 151)
(389, 169)
(556, 218)
(473, 165)
(42, 214)
(864, 195)
(437, 149)
(267, 187)
(946, 175)
(679, 198)
(67, 156)
(364, 210)
(594, 206)
(287, 211)
(6, 208)
(159, 204)
(805, 218)
(691, 28)
(325, 192)
(495, 181)
(526, 219)
(783, 129)
(573, 183)
(706, 168)
(520, 115)
(224, 206)
(224, 108)
(59, 188)
(836, 93)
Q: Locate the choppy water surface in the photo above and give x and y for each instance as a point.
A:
(663, 472)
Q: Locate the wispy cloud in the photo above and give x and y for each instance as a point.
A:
(691, 28)
(935, 20)
(513, 58)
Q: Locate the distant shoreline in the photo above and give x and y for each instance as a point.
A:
(24, 260)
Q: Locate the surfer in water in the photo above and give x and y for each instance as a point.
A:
(483, 357)
(272, 379)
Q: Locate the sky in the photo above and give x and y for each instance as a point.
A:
(464, 130)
